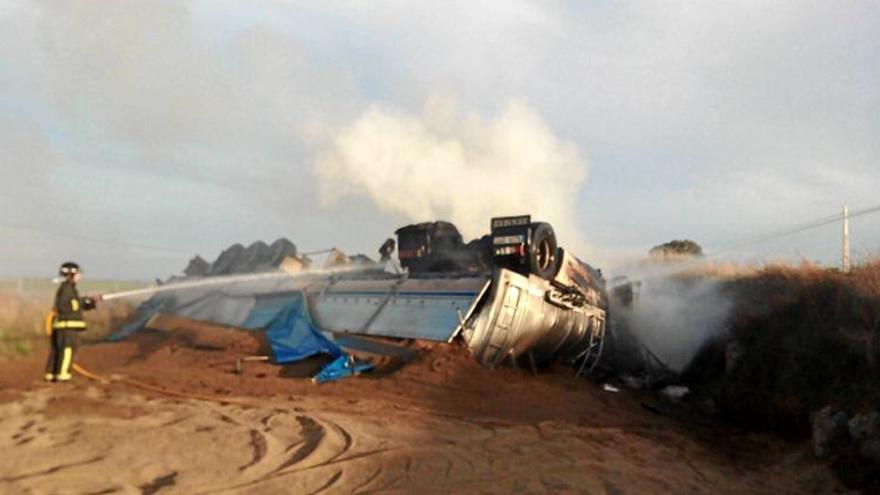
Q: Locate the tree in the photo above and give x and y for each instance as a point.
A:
(685, 248)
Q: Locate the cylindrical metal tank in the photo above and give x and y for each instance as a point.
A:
(519, 317)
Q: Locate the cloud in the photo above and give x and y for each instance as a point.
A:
(458, 167)
(153, 116)
(681, 104)
(711, 121)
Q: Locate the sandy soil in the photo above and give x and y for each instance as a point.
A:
(441, 424)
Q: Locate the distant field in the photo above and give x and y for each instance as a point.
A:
(24, 303)
(47, 286)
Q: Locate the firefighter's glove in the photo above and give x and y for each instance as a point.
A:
(89, 302)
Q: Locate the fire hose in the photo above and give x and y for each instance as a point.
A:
(157, 389)
(50, 318)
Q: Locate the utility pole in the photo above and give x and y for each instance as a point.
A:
(846, 266)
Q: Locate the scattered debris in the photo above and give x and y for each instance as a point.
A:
(239, 363)
(197, 267)
(341, 367)
(636, 382)
(257, 257)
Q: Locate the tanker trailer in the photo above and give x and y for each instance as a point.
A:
(511, 294)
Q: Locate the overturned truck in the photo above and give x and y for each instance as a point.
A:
(509, 296)
(532, 298)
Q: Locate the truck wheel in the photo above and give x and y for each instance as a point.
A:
(543, 259)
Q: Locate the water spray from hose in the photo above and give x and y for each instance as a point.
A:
(232, 279)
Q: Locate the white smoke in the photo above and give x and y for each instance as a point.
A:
(458, 167)
(674, 316)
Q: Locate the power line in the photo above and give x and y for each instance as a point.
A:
(731, 247)
(784, 233)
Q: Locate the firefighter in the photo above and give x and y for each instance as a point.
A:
(67, 323)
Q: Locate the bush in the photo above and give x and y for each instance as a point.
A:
(806, 337)
(679, 248)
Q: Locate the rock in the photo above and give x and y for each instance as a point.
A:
(865, 425)
(830, 432)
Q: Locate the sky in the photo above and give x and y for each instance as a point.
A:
(134, 135)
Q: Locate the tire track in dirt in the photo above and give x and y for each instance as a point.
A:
(276, 443)
(159, 483)
(313, 434)
(388, 485)
(410, 464)
(307, 447)
(405, 463)
(346, 437)
(323, 438)
(52, 470)
(321, 443)
(332, 481)
(260, 447)
(370, 479)
(350, 458)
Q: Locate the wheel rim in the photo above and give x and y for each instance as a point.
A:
(545, 255)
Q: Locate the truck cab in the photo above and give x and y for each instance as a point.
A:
(432, 248)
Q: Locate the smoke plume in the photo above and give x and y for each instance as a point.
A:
(674, 316)
(461, 168)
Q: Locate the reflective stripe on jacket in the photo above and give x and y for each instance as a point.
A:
(69, 324)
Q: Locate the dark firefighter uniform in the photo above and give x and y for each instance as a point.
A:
(67, 325)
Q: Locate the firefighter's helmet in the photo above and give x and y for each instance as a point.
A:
(68, 269)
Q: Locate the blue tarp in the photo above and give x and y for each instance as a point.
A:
(291, 333)
(266, 309)
(293, 336)
(342, 367)
(146, 311)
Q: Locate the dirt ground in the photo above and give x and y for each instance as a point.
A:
(441, 424)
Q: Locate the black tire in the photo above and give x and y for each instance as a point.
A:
(543, 252)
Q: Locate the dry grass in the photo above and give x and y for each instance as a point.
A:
(809, 337)
(22, 318)
(728, 270)
(21, 322)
